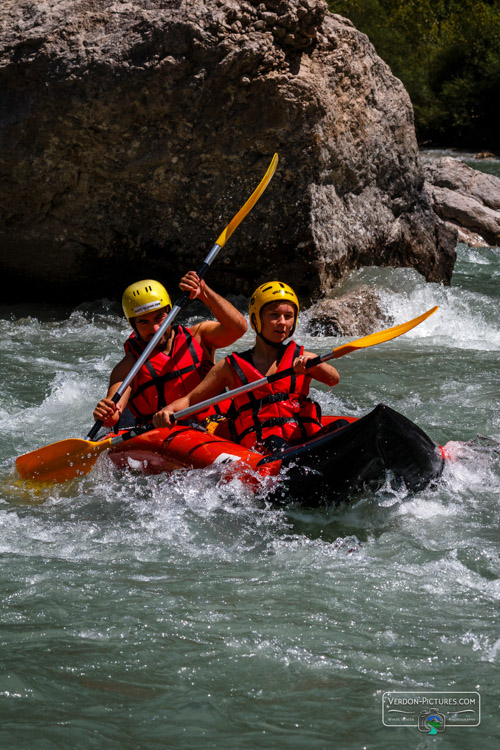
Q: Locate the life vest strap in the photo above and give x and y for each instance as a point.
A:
(246, 413)
(257, 403)
(154, 388)
(158, 380)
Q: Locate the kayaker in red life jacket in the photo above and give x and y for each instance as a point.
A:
(276, 412)
(183, 356)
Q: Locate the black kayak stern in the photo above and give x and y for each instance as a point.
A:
(341, 460)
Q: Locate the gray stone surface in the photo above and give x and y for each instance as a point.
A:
(131, 132)
(354, 313)
(466, 198)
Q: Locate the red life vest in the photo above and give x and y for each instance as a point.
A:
(165, 377)
(281, 408)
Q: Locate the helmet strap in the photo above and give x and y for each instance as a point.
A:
(269, 343)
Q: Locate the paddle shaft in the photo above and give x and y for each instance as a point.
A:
(251, 386)
(221, 241)
(340, 351)
(156, 338)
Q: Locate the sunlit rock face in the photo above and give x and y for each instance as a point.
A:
(132, 132)
(467, 199)
(356, 312)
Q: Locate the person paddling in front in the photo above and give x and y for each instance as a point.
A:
(182, 357)
(276, 413)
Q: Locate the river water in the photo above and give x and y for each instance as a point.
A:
(172, 611)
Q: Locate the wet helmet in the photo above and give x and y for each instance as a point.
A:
(144, 297)
(272, 291)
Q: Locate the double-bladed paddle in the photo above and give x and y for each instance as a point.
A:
(72, 458)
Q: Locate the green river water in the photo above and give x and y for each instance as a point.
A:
(175, 612)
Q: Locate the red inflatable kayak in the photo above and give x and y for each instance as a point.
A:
(348, 455)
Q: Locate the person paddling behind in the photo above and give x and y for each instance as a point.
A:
(182, 357)
(275, 412)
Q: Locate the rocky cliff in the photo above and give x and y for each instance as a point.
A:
(131, 132)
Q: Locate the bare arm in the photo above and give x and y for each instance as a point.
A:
(324, 373)
(219, 378)
(106, 410)
(214, 334)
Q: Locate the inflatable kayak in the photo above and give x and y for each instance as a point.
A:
(348, 455)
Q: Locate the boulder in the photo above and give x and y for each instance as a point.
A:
(466, 198)
(354, 313)
(133, 130)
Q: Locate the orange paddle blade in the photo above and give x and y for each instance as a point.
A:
(61, 461)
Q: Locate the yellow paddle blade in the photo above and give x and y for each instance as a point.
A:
(244, 210)
(60, 461)
(378, 338)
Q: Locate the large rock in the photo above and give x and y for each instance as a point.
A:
(356, 312)
(469, 200)
(133, 131)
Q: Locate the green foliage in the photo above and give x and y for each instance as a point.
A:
(447, 54)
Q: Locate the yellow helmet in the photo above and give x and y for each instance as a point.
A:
(272, 291)
(144, 297)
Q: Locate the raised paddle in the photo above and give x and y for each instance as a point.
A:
(184, 297)
(72, 458)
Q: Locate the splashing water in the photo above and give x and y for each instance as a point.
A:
(181, 611)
